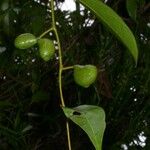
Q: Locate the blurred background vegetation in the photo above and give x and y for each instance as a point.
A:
(30, 115)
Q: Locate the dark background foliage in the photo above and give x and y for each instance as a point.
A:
(30, 113)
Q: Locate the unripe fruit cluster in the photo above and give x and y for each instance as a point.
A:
(46, 46)
(83, 75)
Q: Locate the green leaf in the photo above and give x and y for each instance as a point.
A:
(132, 8)
(114, 23)
(91, 119)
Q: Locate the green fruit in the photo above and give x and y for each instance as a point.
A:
(25, 41)
(46, 49)
(85, 75)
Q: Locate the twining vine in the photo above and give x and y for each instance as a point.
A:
(84, 75)
(61, 68)
(90, 118)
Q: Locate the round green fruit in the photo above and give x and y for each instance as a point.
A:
(46, 49)
(85, 75)
(25, 41)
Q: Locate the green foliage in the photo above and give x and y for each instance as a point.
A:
(91, 119)
(109, 18)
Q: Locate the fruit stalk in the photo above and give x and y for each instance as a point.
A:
(47, 31)
(67, 68)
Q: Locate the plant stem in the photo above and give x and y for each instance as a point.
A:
(68, 135)
(60, 68)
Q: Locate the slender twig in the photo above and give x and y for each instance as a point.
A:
(60, 68)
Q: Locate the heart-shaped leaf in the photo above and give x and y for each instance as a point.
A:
(115, 24)
(91, 119)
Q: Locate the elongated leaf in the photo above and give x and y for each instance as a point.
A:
(116, 25)
(91, 119)
(132, 8)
